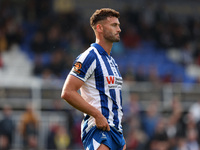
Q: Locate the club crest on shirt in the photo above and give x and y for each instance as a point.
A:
(77, 67)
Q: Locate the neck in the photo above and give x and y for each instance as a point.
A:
(107, 46)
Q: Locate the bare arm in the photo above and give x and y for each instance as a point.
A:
(70, 94)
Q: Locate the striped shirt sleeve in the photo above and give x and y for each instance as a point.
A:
(84, 65)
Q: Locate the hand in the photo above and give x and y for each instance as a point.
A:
(102, 123)
(124, 148)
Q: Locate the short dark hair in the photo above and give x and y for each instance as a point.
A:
(102, 14)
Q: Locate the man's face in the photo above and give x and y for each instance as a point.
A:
(111, 29)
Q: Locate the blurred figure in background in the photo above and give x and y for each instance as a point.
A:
(191, 132)
(51, 136)
(192, 142)
(151, 118)
(175, 124)
(181, 143)
(62, 139)
(159, 140)
(135, 136)
(133, 107)
(28, 128)
(3, 40)
(7, 128)
(194, 110)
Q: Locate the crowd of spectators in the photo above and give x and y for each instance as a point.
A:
(59, 38)
(150, 127)
(145, 127)
(53, 40)
(57, 136)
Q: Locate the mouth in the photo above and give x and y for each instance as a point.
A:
(118, 35)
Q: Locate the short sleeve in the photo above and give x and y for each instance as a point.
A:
(84, 65)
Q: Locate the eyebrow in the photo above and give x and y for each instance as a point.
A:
(115, 23)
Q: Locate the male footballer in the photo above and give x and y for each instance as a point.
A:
(96, 74)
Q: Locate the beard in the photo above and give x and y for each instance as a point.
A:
(111, 37)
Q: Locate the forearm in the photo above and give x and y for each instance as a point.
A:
(75, 100)
(70, 94)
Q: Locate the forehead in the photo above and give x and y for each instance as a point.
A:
(111, 20)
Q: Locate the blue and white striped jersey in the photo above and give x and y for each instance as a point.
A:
(102, 87)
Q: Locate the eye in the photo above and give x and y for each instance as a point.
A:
(115, 25)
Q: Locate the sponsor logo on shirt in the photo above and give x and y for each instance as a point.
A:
(113, 81)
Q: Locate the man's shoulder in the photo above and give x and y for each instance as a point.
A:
(90, 52)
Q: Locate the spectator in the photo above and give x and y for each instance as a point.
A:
(196, 54)
(187, 54)
(135, 136)
(151, 118)
(133, 107)
(181, 143)
(7, 127)
(3, 40)
(158, 144)
(131, 38)
(51, 137)
(192, 139)
(38, 43)
(62, 139)
(28, 128)
(1, 61)
(38, 67)
(175, 125)
(153, 76)
(75, 130)
(160, 131)
(57, 63)
(14, 32)
(194, 110)
(141, 74)
(159, 140)
(53, 40)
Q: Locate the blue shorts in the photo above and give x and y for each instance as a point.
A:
(113, 139)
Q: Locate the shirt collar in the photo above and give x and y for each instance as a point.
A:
(99, 48)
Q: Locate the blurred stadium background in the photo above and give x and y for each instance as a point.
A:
(158, 55)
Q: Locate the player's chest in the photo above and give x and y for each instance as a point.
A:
(111, 74)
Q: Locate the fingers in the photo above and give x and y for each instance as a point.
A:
(102, 123)
(108, 128)
(104, 128)
(124, 147)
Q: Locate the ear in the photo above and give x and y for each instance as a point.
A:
(99, 28)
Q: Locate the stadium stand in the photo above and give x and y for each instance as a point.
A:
(158, 56)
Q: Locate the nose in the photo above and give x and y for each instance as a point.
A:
(119, 29)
